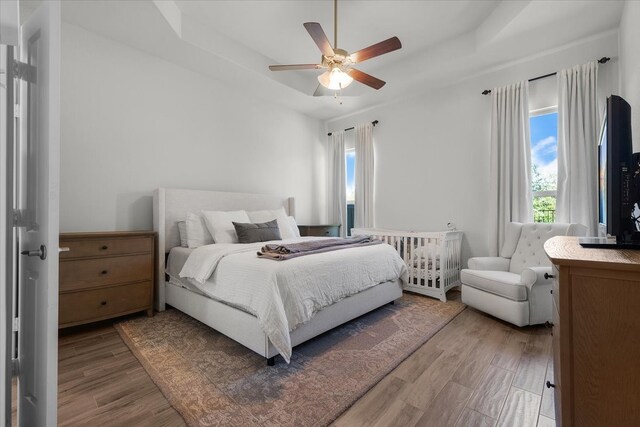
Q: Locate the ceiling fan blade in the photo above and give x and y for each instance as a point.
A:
(317, 34)
(365, 78)
(295, 67)
(377, 49)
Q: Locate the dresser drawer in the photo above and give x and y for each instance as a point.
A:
(88, 273)
(98, 247)
(557, 394)
(96, 304)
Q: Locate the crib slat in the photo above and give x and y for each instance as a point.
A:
(422, 279)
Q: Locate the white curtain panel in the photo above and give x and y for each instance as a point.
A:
(364, 176)
(578, 126)
(510, 189)
(337, 181)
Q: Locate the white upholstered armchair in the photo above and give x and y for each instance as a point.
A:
(513, 286)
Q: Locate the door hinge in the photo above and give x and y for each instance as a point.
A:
(19, 218)
(16, 111)
(24, 71)
(16, 325)
(15, 367)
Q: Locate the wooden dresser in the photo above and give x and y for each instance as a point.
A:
(330, 230)
(596, 334)
(105, 275)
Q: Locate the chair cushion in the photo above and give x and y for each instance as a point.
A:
(530, 249)
(501, 283)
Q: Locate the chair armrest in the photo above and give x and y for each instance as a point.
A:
(531, 276)
(489, 263)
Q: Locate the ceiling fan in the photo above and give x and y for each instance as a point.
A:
(339, 62)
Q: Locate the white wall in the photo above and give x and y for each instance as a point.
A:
(432, 151)
(630, 64)
(132, 122)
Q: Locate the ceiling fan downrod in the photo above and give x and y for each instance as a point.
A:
(335, 24)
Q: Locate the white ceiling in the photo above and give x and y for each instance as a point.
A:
(274, 28)
(443, 41)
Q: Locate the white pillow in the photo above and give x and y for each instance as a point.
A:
(197, 233)
(286, 231)
(182, 232)
(294, 226)
(220, 224)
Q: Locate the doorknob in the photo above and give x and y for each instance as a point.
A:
(40, 253)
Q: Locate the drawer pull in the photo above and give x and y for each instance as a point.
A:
(105, 303)
(548, 276)
(104, 247)
(548, 324)
(104, 272)
(550, 385)
(551, 291)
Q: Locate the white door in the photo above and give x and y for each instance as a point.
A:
(36, 212)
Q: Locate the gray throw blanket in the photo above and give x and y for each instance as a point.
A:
(292, 250)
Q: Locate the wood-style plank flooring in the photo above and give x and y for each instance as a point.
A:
(476, 371)
(100, 382)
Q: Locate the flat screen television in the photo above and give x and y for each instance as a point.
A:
(614, 163)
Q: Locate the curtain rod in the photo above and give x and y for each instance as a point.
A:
(602, 60)
(375, 122)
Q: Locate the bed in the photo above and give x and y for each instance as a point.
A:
(172, 205)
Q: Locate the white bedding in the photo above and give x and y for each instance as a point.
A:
(175, 261)
(285, 294)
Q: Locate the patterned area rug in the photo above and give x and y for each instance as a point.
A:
(211, 380)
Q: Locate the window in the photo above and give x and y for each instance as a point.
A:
(350, 158)
(544, 163)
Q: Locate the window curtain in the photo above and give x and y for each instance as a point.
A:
(510, 195)
(363, 215)
(578, 125)
(338, 181)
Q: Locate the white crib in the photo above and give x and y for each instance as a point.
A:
(432, 258)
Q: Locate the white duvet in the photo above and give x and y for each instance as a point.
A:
(285, 294)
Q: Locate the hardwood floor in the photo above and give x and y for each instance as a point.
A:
(477, 371)
(100, 382)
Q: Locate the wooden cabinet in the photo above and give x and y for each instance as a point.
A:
(331, 230)
(105, 275)
(596, 334)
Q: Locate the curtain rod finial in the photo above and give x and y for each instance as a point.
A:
(486, 91)
(604, 60)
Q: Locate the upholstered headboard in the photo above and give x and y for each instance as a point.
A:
(171, 205)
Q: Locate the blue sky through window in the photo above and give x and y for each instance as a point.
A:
(544, 143)
(351, 175)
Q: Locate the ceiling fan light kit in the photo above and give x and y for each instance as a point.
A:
(340, 73)
(335, 79)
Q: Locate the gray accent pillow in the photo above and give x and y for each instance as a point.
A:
(262, 232)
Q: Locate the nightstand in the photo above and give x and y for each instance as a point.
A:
(330, 230)
(105, 275)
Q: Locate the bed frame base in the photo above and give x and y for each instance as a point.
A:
(243, 327)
